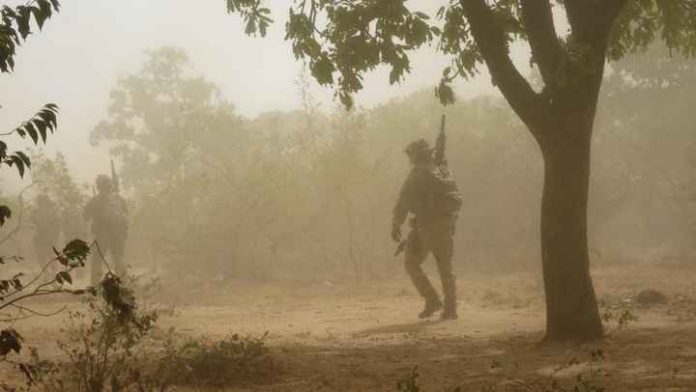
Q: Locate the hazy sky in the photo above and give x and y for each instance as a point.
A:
(81, 52)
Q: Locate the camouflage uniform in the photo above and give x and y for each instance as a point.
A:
(47, 228)
(108, 213)
(431, 231)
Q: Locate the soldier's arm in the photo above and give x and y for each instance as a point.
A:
(403, 204)
(399, 216)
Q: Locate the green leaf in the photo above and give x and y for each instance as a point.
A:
(18, 163)
(56, 5)
(10, 340)
(25, 159)
(31, 130)
(63, 260)
(250, 27)
(23, 19)
(40, 15)
(444, 94)
(41, 127)
(48, 114)
(395, 75)
(322, 70)
(63, 276)
(5, 214)
(76, 250)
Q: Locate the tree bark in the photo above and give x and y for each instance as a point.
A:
(571, 305)
(561, 119)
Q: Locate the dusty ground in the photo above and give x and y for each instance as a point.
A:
(365, 337)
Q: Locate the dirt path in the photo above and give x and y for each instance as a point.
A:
(346, 337)
(328, 337)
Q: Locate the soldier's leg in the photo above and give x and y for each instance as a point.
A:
(117, 252)
(443, 247)
(416, 253)
(96, 267)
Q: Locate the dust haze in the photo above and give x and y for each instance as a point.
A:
(244, 230)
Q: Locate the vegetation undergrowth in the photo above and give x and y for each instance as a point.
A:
(122, 349)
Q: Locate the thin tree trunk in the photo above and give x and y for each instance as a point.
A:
(351, 240)
(572, 312)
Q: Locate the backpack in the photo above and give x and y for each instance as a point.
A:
(111, 214)
(445, 197)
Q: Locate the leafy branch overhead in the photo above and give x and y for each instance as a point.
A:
(35, 128)
(341, 40)
(357, 37)
(16, 27)
(14, 291)
(256, 18)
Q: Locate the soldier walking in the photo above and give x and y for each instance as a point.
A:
(109, 215)
(431, 195)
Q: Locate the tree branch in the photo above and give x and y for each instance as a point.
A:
(18, 226)
(492, 42)
(591, 22)
(537, 19)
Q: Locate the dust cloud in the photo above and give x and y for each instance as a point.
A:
(256, 212)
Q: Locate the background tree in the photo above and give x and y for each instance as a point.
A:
(15, 28)
(166, 126)
(50, 176)
(266, 197)
(15, 288)
(645, 151)
(341, 41)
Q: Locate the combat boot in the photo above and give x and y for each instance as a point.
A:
(449, 314)
(450, 310)
(431, 306)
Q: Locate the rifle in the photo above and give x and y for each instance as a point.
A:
(114, 178)
(440, 145)
(411, 240)
(401, 247)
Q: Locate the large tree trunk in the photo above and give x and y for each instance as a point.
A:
(560, 117)
(572, 312)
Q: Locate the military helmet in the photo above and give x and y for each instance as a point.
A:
(104, 182)
(418, 148)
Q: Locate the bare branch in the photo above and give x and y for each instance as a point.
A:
(32, 312)
(591, 22)
(537, 18)
(493, 44)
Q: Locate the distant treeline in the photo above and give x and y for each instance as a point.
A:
(307, 194)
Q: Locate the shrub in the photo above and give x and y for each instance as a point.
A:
(206, 362)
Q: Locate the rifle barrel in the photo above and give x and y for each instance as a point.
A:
(440, 144)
